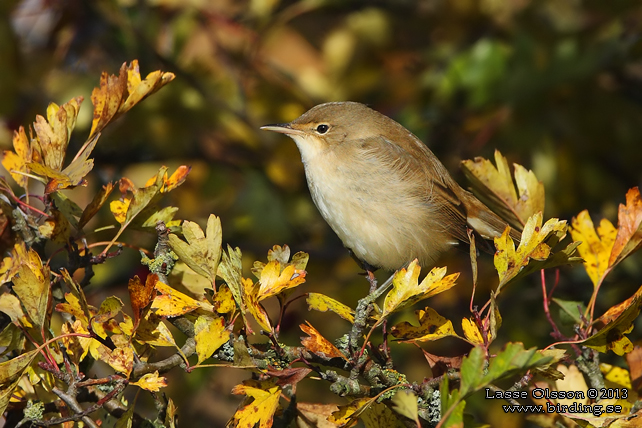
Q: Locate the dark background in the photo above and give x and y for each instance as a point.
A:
(555, 85)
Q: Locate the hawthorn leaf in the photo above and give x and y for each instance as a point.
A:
(275, 280)
(317, 344)
(405, 403)
(230, 269)
(10, 305)
(494, 186)
(322, 303)
(202, 251)
(629, 230)
(619, 321)
(259, 406)
(31, 284)
(407, 291)
(596, 246)
(509, 262)
(10, 373)
(140, 295)
(107, 98)
(432, 326)
(172, 303)
(54, 132)
(17, 163)
(97, 202)
(210, 334)
(251, 303)
(69, 209)
(472, 332)
(223, 300)
(151, 382)
(153, 331)
(104, 321)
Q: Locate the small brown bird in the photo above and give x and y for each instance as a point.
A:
(383, 192)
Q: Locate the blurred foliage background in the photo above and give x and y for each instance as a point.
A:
(555, 85)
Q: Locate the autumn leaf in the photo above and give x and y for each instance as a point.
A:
(259, 406)
(275, 280)
(202, 251)
(210, 334)
(172, 303)
(53, 133)
(16, 163)
(31, 284)
(472, 332)
(153, 331)
(97, 202)
(231, 269)
(534, 246)
(495, 187)
(322, 303)
(282, 256)
(151, 382)
(10, 373)
(251, 303)
(596, 246)
(104, 320)
(619, 321)
(629, 227)
(407, 291)
(432, 326)
(118, 94)
(141, 294)
(317, 344)
(368, 410)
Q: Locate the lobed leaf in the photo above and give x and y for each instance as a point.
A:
(260, 410)
(432, 326)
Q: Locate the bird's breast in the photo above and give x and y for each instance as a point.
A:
(383, 217)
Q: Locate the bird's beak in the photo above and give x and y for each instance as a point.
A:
(282, 128)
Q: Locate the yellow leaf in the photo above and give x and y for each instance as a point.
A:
(17, 162)
(510, 261)
(104, 320)
(407, 291)
(261, 409)
(223, 300)
(616, 375)
(31, 284)
(10, 305)
(471, 331)
(273, 281)
(495, 188)
(153, 331)
(201, 252)
(595, 248)
(120, 359)
(211, 334)
(432, 326)
(54, 132)
(73, 307)
(151, 382)
(323, 303)
(76, 347)
(252, 304)
(119, 209)
(172, 303)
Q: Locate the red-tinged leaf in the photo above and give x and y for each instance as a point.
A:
(177, 178)
(141, 294)
(289, 377)
(629, 228)
(317, 344)
(107, 98)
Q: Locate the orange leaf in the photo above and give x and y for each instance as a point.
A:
(141, 295)
(629, 233)
(318, 344)
(273, 281)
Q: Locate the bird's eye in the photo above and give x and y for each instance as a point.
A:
(323, 128)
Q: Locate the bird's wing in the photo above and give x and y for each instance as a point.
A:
(434, 186)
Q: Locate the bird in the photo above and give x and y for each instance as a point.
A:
(381, 189)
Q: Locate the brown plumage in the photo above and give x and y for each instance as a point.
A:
(383, 192)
